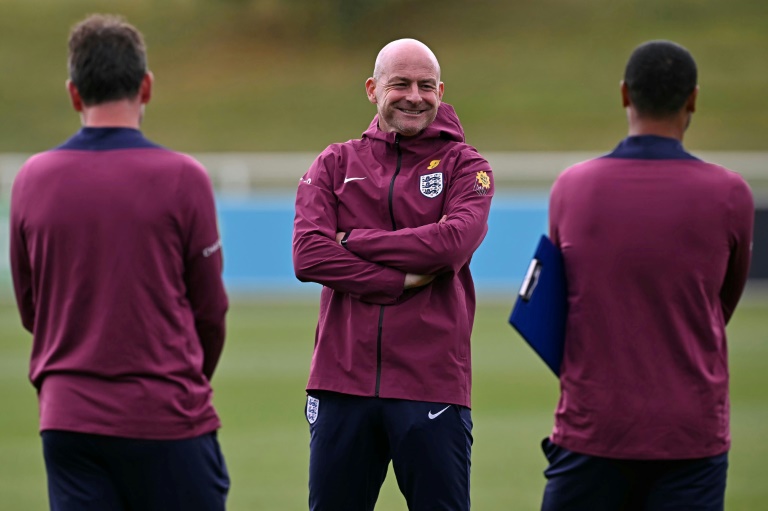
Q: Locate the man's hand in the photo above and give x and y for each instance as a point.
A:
(413, 280)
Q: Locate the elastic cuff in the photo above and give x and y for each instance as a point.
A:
(344, 239)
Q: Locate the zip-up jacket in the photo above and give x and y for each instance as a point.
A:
(389, 194)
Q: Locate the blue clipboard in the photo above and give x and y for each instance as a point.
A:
(540, 309)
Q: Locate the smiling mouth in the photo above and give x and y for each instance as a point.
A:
(411, 112)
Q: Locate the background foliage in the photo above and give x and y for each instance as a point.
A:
(287, 75)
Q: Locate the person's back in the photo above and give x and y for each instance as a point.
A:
(116, 264)
(656, 246)
(107, 221)
(647, 235)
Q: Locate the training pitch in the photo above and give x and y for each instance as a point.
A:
(259, 392)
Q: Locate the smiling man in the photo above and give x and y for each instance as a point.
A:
(388, 224)
(406, 87)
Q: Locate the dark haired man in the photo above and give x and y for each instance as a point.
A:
(388, 224)
(116, 264)
(656, 245)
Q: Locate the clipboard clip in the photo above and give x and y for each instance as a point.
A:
(531, 280)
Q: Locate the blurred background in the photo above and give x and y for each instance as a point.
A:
(287, 75)
(257, 88)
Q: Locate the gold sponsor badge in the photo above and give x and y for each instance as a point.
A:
(482, 183)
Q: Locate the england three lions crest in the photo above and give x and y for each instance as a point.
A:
(431, 185)
(313, 408)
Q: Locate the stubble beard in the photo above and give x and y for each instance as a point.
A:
(409, 129)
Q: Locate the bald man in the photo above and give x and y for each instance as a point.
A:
(388, 224)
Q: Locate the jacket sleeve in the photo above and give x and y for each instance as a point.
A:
(317, 257)
(554, 211)
(203, 264)
(742, 218)
(438, 247)
(21, 268)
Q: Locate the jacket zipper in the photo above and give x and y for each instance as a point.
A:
(392, 183)
(378, 350)
(394, 228)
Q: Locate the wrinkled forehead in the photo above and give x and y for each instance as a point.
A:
(422, 71)
(408, 61)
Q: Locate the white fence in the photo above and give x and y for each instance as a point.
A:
(245, 173)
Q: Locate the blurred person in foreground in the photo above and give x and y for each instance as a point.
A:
(388, 224)
(116, 264)
(657, 245)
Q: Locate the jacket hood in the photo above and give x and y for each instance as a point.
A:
(446, 126)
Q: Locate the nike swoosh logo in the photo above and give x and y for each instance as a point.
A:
(434, 415)
(348, 179)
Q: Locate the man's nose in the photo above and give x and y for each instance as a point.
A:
(414, 95)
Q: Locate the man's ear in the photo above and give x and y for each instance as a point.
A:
(370, 90)
(625, 102)
(145, 89)
(74, 96)
(690, 104)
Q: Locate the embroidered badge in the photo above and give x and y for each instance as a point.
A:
(482, 183)
(433, 164)
(313, 407)
(431, 185)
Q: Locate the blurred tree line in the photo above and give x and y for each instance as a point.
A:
(287, 75)
(331, 21)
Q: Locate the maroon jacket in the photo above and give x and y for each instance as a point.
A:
(389, 192)
(117, 271)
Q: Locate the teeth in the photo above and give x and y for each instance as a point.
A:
(412, 111)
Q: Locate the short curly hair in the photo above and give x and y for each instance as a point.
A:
(107, 59)
(660, 76)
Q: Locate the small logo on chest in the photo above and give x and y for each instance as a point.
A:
(431, 184)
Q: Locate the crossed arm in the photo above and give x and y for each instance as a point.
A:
(377, 265)
(412, 280)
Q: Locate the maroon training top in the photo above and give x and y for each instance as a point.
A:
(116, 263)
(656, 246)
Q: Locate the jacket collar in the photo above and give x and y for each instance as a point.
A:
(105, 139)
(650, 147)
(446, 126)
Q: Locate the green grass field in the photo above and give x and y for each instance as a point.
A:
(260, 395)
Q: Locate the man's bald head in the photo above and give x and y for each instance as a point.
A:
(397, 50)
(405, 87)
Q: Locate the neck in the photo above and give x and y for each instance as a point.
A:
(670, 127)
(114, 114)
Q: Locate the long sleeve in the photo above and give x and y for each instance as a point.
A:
(203, 265)
(21, 270)
(317, 257)
(437, 247)
(742, 223)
